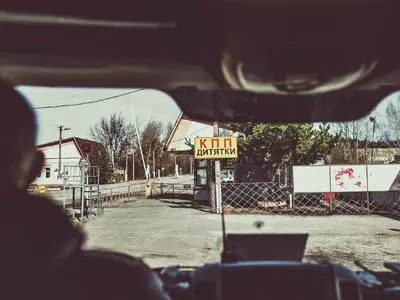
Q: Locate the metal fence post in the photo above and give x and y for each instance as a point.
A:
(367, 177)
(82, 202)
(291, 196)
(330, 191)
(263, 195)
(82, 191)
(129, 192)
(73, 198)
(90, 201)
(213, 197)
(97, 203)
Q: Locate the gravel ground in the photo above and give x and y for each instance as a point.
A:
(166, 232)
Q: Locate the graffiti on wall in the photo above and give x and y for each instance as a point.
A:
(351, 178)
(347, 177)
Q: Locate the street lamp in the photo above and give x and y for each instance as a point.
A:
(373, 120)
(61, 128)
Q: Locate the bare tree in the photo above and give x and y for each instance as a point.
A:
(151, 139)
(389, 128)
(167, 131)
(392, 129)
(116, 134)
(352, 133)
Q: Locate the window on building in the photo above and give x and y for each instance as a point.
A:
(201, 177)
(48, 173)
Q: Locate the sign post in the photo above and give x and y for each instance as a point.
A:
(218, 187)
(217, 165)
(216, 148)
(84, 166)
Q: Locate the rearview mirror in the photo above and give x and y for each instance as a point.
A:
(237, 106)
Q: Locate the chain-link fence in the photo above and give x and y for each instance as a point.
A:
(385, 202)
(331, 203)
(255, 197)
(271, 197)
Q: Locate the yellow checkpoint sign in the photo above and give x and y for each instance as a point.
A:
(42, 189)
(215, 147)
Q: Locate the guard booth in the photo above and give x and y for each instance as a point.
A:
(203, 176)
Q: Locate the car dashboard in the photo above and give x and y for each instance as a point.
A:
(277, 280)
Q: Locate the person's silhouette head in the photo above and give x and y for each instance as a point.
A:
(20, 163)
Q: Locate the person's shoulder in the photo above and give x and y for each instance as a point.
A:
(117, 275)
(37, 237)
(13, 198)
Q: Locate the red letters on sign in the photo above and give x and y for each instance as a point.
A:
(226, 141)
(203, 143)
(214, 141)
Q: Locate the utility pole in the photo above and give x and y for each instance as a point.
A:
(126, 167)
(154, 164)
(140, 145)
(61, 128)
(366, 150)
(190, 164)
(373, 120)
(355, 137)
(176, 167)
(133, 165)
(218, 192)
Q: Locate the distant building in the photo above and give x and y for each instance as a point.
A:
(383, 155)
(72, 151)
(378, 155)
(186, 130)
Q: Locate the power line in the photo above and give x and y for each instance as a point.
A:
(88, 102)
(197, 131)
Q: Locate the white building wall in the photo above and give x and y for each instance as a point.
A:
(69, 156)
(188, 129)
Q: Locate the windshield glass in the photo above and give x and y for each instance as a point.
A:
(127, 164)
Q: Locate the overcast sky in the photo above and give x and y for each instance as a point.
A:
(149, 104)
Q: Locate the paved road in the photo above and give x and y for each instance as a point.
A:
(166, 232)
(163, 232)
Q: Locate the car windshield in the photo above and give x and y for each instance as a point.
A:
(147, 180)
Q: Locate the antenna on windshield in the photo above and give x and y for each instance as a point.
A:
(224, 246)
(227, 255)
